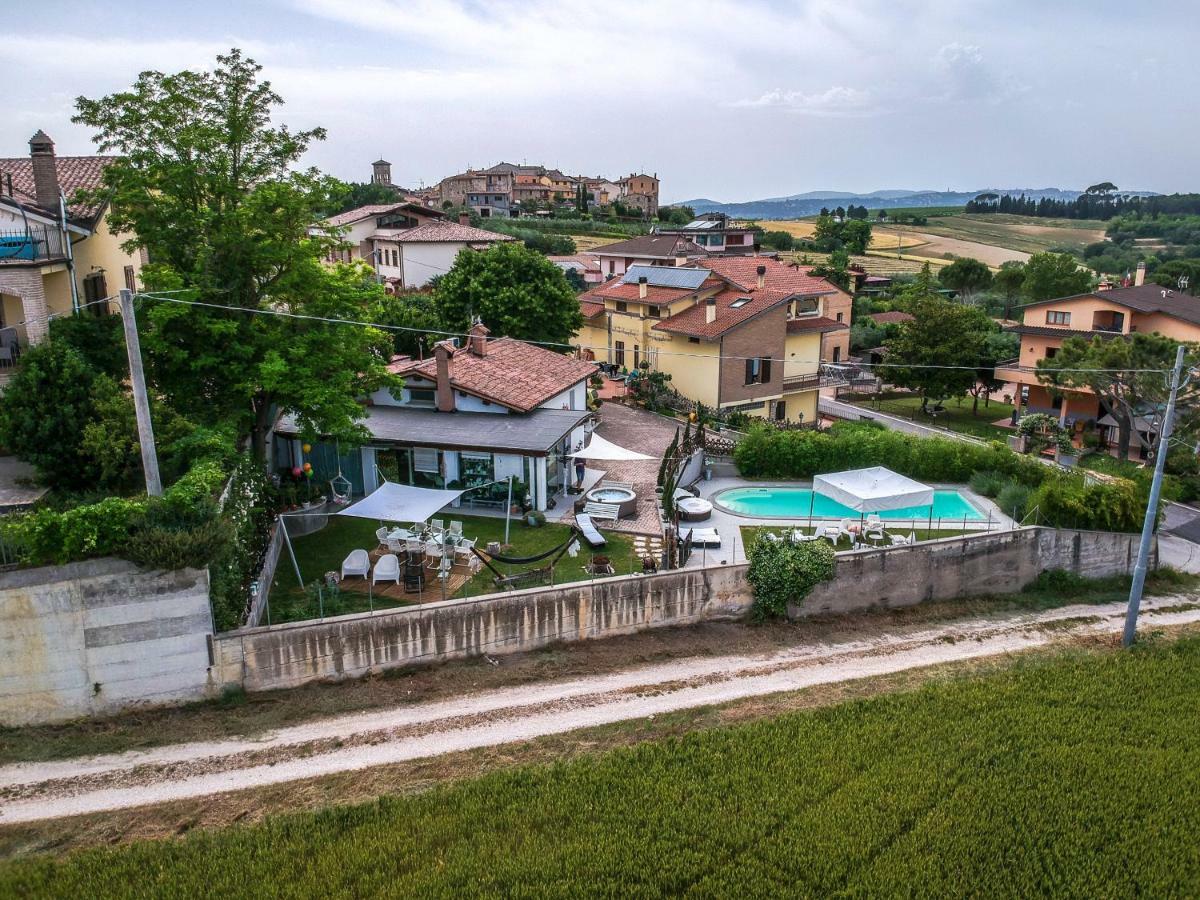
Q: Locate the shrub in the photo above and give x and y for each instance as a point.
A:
(169, 536)
(1060, 581)
(1013, 499)
(54, 537)
(1068, 501)
(783, 572)
(988, 484)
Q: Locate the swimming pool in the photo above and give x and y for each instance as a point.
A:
(799, 503)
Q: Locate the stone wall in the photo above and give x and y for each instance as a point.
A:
(995, 563)
(349, 646)
(94, 637)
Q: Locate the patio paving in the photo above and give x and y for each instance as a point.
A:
(17, 489)
(644, 432)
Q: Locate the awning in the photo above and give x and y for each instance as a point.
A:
(391, 502)
(599, 448)
(873, 490)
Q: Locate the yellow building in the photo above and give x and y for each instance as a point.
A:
(741, 334)
(57, 253)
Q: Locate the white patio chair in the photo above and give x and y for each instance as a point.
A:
(433, 554)
(899, 540)
(394, 544)
(381, 534)
(357, 563)
(438, 526)
(800, 537)
(874, 523)
(414, 546)
(845, 529)
(463, 550)
(387, 569)
(455, 529)
(829, 532)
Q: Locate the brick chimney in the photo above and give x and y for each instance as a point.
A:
(464, 218)
(1139, 277)
(45, 171)
(761, 272)
(710, 310)
(477, 339)
(642, 288)
(443, 352)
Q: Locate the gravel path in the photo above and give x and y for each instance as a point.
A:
(36, 791)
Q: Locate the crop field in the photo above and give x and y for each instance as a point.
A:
(1076, 774)
(1022, 233)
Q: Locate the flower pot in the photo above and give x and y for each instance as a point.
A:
(1019, 443)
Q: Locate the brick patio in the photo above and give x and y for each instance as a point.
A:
(644, 432)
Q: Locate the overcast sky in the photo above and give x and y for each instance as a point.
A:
(727, 100)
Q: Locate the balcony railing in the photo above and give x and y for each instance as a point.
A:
(37, 243)
(807, 382)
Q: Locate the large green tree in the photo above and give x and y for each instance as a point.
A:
(940, 352)
(856, 234)
(967, 276)
(1126, 374)
(1009, 281)
(210, 188)
(517, 292)
(1052, 275)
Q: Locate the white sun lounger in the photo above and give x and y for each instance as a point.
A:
(590, 532)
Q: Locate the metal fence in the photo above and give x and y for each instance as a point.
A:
(260, 590)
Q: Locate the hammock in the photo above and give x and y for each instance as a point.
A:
(521, 560)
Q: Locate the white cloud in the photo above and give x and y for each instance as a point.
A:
(838, 101)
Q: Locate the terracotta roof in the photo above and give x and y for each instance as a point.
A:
(815, 323)
(590, 308)
(588, 262)
(440, 232)
(75, 173)
(350, 216)
(780, 276)
(1064, 333)
(651, 245)
(894, 317)
(513, 373)
(692, 320)
(616, 290)
(1148, 298)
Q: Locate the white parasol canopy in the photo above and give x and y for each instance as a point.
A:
(599, 448)
(873, 490)
(391, 502)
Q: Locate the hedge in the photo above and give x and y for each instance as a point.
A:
(1061, 499)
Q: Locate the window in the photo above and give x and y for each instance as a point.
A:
(693, 340)
(622, 306)
(619, 353)
(637, 355)
(758, 370)
(839, 316)
(837, 354)
(1051, 352)
(425, 459)
(739, 302)
(656, 312)
(611, 267)
(1058, 317)
(94, 290)
(475, 468)
(130, 280)
(422, 396)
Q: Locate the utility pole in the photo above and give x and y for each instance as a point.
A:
(141, 403)
(1160, 460)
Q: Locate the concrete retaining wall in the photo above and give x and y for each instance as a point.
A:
(968, 566)
(94, 637)
(349, 646)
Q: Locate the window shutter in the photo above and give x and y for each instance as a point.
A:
(749, 371)
(766, 370)
(425, 459)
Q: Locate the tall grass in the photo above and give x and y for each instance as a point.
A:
(1074, 775)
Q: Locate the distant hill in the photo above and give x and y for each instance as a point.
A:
(797, 206)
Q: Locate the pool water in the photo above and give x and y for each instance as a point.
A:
(796, 503)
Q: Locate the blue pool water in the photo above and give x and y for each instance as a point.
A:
(794, 503)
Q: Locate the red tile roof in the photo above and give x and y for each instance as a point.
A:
(590, 308)
(513, 373)
(442, 232)
(616, 290)
(350, 216)
(814, 323)
(75, 173)
(894, 317)
(692, 320)
(660, 246)
(780, 276)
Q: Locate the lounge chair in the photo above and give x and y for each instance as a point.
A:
(357, 563)
(590, 532)
(703, 537)
(455, 529)
(387, 569)
(438, 526)
(463, 549)
(602, 511)
(801, 538)
(899, 540)
(830, 532)
(433, 554)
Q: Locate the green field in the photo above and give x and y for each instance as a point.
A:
(1025, 233)
(1076, 774)
(955, 417)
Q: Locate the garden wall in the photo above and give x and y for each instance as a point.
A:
(94, 637)
(287, 655)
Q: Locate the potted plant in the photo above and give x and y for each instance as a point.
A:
(1065, 453)
(535, 518)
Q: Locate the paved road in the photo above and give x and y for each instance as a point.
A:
(38, 791)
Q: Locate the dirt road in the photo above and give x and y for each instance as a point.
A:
(37, 791)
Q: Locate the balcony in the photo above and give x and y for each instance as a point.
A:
(807, 381)
(1012, 370)
(35, 244)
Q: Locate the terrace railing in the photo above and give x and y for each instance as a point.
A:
(37, 243)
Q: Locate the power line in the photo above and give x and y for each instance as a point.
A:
(565, 346)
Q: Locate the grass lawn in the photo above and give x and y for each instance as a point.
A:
(1072, 774)
(1110, 465)
(324, 550)
(955, 417)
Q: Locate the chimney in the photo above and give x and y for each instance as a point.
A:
(1139, 277)
(642, 279)
(710, 310)
(464, 218)
(477, 339)
(761, 272)
(45, 172)
(443, 352)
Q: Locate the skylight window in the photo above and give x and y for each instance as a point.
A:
(739, 302)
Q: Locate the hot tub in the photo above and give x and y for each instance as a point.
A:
(621, 497)
(693, 509)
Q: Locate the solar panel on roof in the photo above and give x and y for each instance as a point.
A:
(666, 276)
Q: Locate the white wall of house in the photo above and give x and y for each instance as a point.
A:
(421, 261)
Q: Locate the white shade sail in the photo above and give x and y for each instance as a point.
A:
(873, 490)
(391, 502)
(599, 448)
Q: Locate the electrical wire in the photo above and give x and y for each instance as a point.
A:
(562, 346)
